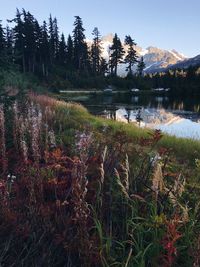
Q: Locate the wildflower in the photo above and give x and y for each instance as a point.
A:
(155, 159)
(83, 140)
(83, 143)
(35, 123)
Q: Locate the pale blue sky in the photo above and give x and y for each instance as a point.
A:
(168, 24)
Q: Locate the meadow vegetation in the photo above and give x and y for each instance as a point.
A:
(78, 190)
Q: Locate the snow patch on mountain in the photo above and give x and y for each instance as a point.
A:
(154, 58)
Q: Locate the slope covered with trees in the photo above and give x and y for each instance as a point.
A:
(43, 53)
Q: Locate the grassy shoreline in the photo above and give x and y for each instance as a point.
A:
(182, 147)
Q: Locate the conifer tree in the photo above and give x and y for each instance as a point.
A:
(80, 47)
(103, 67)
(19, 41)
(9, 44)
(116, 55)
(2, 39)
(44, 49)
(30, 41)
(2, 46)
(141, 66)
(96, 51)
(62, 53)
(56, 38)
(131, 56)
(38, 43)
(69, 52)
(51, 40)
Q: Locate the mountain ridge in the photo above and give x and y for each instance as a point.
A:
(154, 58)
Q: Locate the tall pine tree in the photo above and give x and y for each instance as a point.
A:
(131, 56)
(62, 51)
(2, 46)
(56, 38)
(9, 45)
(80, 46)
(141, 66)
(69, 53)
(30, 41)
(116, 54)
(51, 40)
(44, 50)
(96, 51)
(19, 41)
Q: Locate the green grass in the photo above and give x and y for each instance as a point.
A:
(77, 116)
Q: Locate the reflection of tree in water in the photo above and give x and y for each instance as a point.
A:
(139, 117)
(107, 99)
(128, 114)
(113, 114)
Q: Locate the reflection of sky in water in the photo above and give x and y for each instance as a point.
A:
(166, 121)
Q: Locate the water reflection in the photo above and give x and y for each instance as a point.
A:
(179, 117)
(107, 99)
(159, 99)
(166, 121)
(135, 99)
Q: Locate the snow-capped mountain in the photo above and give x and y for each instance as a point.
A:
(194, 61)
(155, 58)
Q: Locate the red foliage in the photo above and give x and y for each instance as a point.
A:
(169, 242)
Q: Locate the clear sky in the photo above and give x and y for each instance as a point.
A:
(167, 24)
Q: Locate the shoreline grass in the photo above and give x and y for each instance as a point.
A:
(182, 147)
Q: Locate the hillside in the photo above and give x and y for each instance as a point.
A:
(66, 174)
(191, 62)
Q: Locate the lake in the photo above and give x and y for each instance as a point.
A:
(175, 116)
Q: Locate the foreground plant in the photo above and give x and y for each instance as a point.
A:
(102, 201)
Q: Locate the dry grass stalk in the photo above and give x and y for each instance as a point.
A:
(101, 167)
(177, 190)
(157, 180)
(121, 186)
(125, 173)
(185, 213)
(179, 185)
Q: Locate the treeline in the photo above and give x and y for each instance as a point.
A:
(180, 81)
(45, 52)
(59, 62)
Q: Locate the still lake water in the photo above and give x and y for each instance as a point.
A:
(175, 116)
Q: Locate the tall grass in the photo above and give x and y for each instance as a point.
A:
(94, 195)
